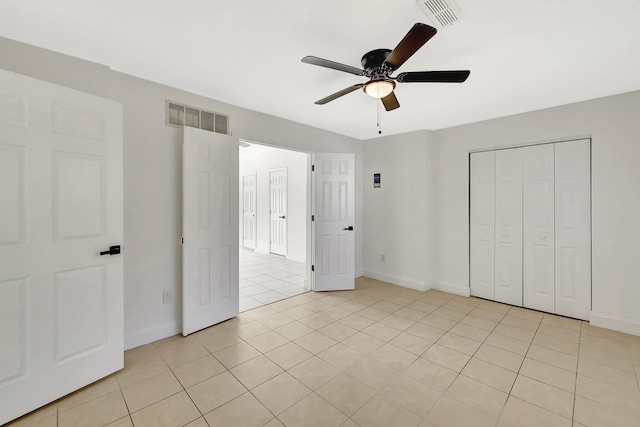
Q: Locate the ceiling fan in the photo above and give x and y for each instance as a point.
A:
(379, 64)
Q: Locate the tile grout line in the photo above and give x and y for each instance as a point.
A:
(518, 373)
(460, 373)
(575, 385)
(369, 298)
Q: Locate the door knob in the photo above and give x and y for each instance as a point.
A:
(113, 250)
(281, 217)
(541, 237)
(349, 228)
(505, 234)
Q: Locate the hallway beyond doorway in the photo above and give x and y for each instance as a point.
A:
(268, 278)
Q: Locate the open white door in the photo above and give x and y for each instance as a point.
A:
(210, 229)
(249, 199)
(334, 207)
(278, 211)
(61, 303)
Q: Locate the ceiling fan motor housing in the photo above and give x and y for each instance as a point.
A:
(375, 58)
(374, 64)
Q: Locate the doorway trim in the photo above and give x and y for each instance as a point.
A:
(308, 282)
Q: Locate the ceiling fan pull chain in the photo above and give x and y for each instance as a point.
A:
(379, 118)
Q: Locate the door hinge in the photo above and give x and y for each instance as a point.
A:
(313, 168)
(313, 217)
(182, 240)
(313, 268)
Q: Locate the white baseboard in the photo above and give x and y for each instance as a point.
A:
(151, 334)
(620, 324)
(407, 282)
(452, 288)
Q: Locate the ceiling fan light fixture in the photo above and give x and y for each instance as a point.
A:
(379, 88)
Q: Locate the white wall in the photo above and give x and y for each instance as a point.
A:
(261, 162)
(152, 188)
(153, 171)
(152, 176)
(614, 126)
(397, 218)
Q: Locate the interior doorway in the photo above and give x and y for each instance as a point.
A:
(273, 257)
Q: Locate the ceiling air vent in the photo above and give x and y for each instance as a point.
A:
(182, 115)
(442, 13)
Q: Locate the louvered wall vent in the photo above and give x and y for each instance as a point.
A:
(181, 115)
(442, 13)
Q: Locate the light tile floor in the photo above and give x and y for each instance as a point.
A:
(380, 355)
(268, 278)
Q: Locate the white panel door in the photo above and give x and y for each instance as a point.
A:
(278, 211)
(508, 223)
(481, 269)
(249, 224)
(573, 228)
(61, 302)
(334, 247)
(538, 227)
(210, 229)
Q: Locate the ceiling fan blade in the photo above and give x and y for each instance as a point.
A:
(390, 102)
(339, 94)
(457, 76)
(314, 60)
(414, 40)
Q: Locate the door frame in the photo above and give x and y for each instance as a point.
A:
(310, 208)
(310, 193)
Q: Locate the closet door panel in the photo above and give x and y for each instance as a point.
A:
(573, 229)
(481, 269)
(538, 228)
(508, 226)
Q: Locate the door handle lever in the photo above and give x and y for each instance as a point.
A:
(113, 250)
(282, 217)
(349, 228)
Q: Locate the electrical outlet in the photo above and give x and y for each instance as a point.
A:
(167, 297)
(382, 257)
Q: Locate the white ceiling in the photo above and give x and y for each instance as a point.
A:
(523, 54)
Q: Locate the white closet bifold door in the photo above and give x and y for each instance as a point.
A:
(538, 227)
(482, 225)
(573, 229)
(508, 226)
